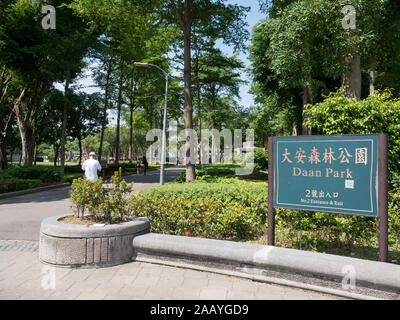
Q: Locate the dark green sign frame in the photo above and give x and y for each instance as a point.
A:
(335, 174)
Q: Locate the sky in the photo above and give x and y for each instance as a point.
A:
(253, 17)
(246, 99)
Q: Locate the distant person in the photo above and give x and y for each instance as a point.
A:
(137, 166)
(91, 167)
(145, 164)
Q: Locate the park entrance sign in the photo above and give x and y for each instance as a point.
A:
(327, 174)
(334, 174)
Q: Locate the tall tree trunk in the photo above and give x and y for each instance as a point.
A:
(35, 154)
(118, 138)
(64, 124)
(3, 142)
(307, 99)
(80, 151)
(26, 132)
(307, 90)
(188, 107)
(104, 122)
(3, 154)
(351, 79)
(151, 120)
(198, 89)
(214, 151)
(132, 109)
(372, 75)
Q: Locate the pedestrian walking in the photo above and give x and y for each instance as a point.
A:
(145, 164)
(91, 167)
(138, 166)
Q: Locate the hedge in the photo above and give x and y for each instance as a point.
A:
(378, 113)
(229, 209)
(46, 174)
(12, 185)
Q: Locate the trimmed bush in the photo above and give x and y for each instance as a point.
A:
(379, 113)
(72, 169)
(212, 170)
(12, 185)
(69, 178)
(46, 174)
(207, 218)
(261, 159)
(227, 209)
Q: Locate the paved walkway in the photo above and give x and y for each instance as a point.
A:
(22, 276)
(20, 217)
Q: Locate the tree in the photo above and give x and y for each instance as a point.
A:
(37, 58)
(84, 117)
(221, 20)
(304, 50)
(220, 76)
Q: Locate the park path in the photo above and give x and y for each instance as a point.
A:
(20, 217)
(22, 274)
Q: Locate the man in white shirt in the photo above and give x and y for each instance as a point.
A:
(91, 166)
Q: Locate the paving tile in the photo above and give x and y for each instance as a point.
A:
(9, 294)
(157, 293)
(84, 287)
(133, 293)
(237, 295)
(269, 292)
(181, 293)
(195, 283)
(221, 283)
(35, 295)
(64, 295)
(195, 274)
(96, 295)
(10, 283)
(243, 286)
(213, 294)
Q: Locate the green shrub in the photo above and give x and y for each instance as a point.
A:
(70, 177)
(113, 167)
(223, 209)
(339, 230)
(46, 174)
(379, 113)
(106, 205)
(207, 218)
(212, 170)
(72, 169)
(261, 159)
(12, 184)
(253, 195)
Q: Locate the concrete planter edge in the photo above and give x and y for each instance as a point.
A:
(74, 246)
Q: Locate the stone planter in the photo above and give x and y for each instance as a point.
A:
(72, 245)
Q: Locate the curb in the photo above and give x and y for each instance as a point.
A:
(31, 191)
(263, 261)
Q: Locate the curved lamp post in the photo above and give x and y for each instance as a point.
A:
(164, 136)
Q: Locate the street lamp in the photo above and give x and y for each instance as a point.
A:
(164, 136)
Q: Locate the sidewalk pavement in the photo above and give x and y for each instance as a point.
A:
(20, 217)
(23, 276)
